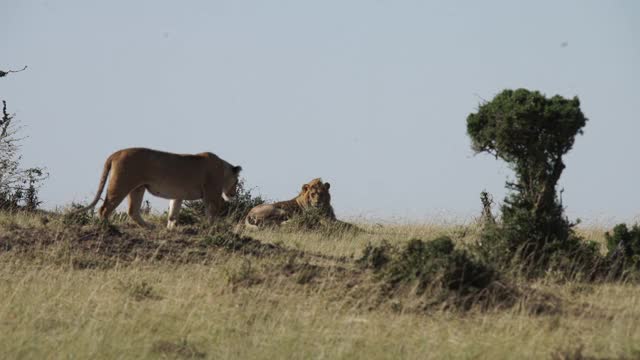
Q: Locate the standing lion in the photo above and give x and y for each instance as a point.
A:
(171, 176)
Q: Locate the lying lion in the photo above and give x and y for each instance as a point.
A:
(171, 176)
(314, 195)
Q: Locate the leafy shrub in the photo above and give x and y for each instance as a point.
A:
(437, 262)
(441, 274)
(375, 257)
(239, 206)
(193, 212)
(624, 240)
(445, 277)
(573, 258)
(623, 245)
(576, 259)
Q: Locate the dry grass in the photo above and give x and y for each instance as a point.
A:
(86, 292)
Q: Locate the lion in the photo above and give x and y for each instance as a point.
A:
(313, 195)
(171, 176)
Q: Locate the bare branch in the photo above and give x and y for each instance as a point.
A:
(484, 101)
(5, 73)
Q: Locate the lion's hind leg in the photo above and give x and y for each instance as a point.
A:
(111, 202)
(135, 203)
(266, 215)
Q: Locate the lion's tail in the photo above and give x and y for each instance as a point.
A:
(249, 222)
(243, 224)
(103, 181)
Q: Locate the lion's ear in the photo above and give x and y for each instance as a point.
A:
(305, 187)
(327, 185)
(237, 169)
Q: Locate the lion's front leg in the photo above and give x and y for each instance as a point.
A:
(212, 198)
(212, 209)
(174, 211)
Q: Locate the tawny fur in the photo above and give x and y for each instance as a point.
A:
(171, 176)
(314, 194)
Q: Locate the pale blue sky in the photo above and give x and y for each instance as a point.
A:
(370, 95)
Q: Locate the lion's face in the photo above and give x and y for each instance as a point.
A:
(316, 194)
(231, 180)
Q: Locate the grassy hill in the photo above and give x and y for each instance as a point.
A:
(91, 291)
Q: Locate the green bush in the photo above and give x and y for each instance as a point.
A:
(576, 259)
(623, 245)
(375, 256)
(440, 273)
(573, 258)
(437, 263)
(193, 212)
(239, 206)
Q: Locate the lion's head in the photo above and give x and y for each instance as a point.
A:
(315, 194)
(231, 180)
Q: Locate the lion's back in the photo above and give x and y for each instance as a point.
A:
(162, 168)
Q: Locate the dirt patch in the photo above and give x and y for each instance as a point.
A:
(94, 244)
(100, 247)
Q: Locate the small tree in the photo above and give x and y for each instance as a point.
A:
(531, 133)
(18, 187)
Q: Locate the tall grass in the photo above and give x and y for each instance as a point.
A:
(303, 297)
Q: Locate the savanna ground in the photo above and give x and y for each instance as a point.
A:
(91, 291)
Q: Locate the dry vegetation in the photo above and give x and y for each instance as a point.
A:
(91, 291)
